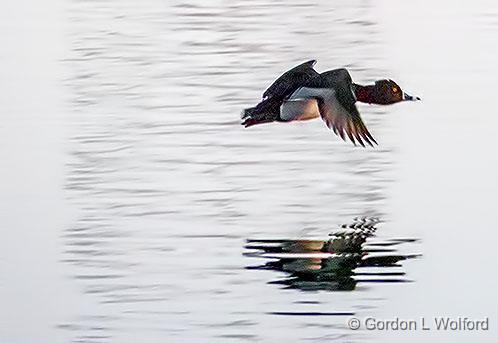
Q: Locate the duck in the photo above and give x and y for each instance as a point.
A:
(302, 93)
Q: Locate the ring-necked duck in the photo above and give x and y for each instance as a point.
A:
(302, 94)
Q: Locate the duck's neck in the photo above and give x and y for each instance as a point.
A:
(364, 93)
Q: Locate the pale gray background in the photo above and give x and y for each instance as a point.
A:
(128, 188)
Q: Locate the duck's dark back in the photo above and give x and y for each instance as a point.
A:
(336, 79)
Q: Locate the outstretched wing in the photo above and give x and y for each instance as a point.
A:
(345, 120)
(291, 80)
(342, 117)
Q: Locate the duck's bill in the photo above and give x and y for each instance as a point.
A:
(408, 97)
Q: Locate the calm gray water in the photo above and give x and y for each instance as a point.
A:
(136, 208)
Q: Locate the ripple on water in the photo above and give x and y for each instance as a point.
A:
(348, 257)
(166, 184)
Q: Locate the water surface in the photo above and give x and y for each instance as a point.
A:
(166, 220)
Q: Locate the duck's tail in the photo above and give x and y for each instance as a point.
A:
(264, 112)
(252, 116)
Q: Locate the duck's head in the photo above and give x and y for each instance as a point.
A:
(387, 92)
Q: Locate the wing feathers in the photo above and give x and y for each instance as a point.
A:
(344, 123)
(291, 80)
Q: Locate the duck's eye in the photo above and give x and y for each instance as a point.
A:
(395, 90)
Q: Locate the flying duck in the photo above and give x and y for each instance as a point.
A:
(302, 94)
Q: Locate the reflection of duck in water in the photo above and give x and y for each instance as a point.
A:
(301, 94)
(335, 264)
